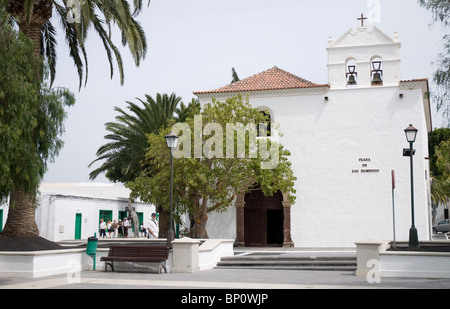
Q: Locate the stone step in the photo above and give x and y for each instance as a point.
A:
(305, 267)
(289, 262)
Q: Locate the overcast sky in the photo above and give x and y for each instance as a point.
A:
(194, 44)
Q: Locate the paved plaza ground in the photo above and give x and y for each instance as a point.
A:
(223, 279)
(219, 287)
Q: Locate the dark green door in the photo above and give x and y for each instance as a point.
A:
(1, 220)
(77, 226)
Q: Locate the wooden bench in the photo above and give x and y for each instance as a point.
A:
(148, 254)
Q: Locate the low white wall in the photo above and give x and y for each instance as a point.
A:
(433, 265)
(42, 263)
(191, 255)
(212, 250)
(37, 264)
(373, 259)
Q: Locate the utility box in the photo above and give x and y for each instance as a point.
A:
(91, 247)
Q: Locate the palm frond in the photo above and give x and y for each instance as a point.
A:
(48, 48)
(127, 139)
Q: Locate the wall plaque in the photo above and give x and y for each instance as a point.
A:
(365, 168)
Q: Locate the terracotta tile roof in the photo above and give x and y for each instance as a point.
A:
(271, 79)
(415, 80)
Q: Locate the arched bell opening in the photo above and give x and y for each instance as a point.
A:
(351, 73)
(376, 73)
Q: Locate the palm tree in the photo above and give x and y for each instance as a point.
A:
(122, 156)
(33, 19)
(77, 17)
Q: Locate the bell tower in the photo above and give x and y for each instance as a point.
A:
(364, 58)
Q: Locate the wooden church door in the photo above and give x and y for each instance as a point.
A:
(263, 219)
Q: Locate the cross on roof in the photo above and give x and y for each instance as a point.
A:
(362, 19)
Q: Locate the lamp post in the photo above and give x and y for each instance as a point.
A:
(172, 141)
(411, 134)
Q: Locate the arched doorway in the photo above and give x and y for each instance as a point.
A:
(263, 219)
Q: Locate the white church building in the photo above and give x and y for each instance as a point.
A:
(346, 138)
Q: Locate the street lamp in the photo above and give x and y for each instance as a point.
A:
(411, 134)
(172, 141)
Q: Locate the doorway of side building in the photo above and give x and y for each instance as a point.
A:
(263, 219)
(78, 222)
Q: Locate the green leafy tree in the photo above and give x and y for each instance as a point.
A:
(76, 18)
(443, 165)
(435, 138)
(439, 153)
(31, 123)
(121, 157)
(440, 186)
(441, 13)
(210, 182)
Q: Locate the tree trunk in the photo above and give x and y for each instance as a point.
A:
(164, 217)
(42, 12)
(199, 228)
(21, 220)
(134, 219)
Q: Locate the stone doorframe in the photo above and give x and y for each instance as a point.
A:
(240, 229)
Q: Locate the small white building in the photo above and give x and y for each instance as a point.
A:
(68, 211)
(345, 138)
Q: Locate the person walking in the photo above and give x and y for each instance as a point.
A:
(152, 227)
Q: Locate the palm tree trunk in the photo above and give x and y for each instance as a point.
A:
(21, 221)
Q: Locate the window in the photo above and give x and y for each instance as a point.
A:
(106, 215)
(265, 129)
(123, 214)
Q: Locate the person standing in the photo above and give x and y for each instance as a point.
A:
(109, 227)
(120, 229)
(152, 227)
(102, 228)
(126, 225)
(114, 227)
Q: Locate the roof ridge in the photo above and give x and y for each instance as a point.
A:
(274, 78)
(296, 76)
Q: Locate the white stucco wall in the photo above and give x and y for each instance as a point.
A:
(59, 203)
(55, 215)
(334, 206)
(327, 138)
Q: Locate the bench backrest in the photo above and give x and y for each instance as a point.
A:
(139, 251)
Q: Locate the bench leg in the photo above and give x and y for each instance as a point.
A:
(164, 266)
(110, 264)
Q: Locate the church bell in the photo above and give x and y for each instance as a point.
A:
(351, 75)
(351, 80)
(377, 79)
